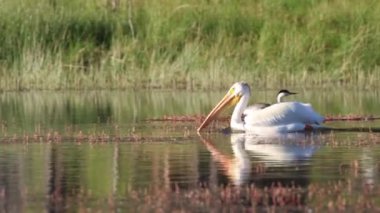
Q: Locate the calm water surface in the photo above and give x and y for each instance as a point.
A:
(125, 155)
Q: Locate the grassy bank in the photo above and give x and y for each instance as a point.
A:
(51, 44)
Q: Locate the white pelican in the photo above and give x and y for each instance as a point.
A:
(282, 93)
(277, 118)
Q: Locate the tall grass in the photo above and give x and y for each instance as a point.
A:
(51, 44)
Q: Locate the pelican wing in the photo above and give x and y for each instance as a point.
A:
(287, 113)
(255, 107)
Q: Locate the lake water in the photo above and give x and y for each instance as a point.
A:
(100, 151)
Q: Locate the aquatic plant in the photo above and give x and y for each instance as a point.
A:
(333, 196)
(188, 44)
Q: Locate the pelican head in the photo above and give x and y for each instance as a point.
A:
(282, 93)
(239, 91)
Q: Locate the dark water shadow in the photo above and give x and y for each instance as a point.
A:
(349, 129)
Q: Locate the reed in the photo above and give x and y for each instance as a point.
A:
(51, 44)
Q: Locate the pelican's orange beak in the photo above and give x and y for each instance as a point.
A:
(229, 99)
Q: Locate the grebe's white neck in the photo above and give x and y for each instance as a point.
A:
(280, 96)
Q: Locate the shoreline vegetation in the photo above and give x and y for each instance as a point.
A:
(188, 44)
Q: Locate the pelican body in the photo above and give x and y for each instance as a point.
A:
(281, 117)
(282, 93)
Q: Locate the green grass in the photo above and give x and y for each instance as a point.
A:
(86, 44)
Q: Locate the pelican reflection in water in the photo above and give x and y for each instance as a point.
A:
(284, 150)
(237, 167)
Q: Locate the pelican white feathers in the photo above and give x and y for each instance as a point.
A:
(277, 118)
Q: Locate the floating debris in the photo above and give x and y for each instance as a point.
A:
(200, 118)
(81, 137)
(185, 118)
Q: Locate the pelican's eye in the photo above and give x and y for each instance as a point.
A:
(232, 91)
